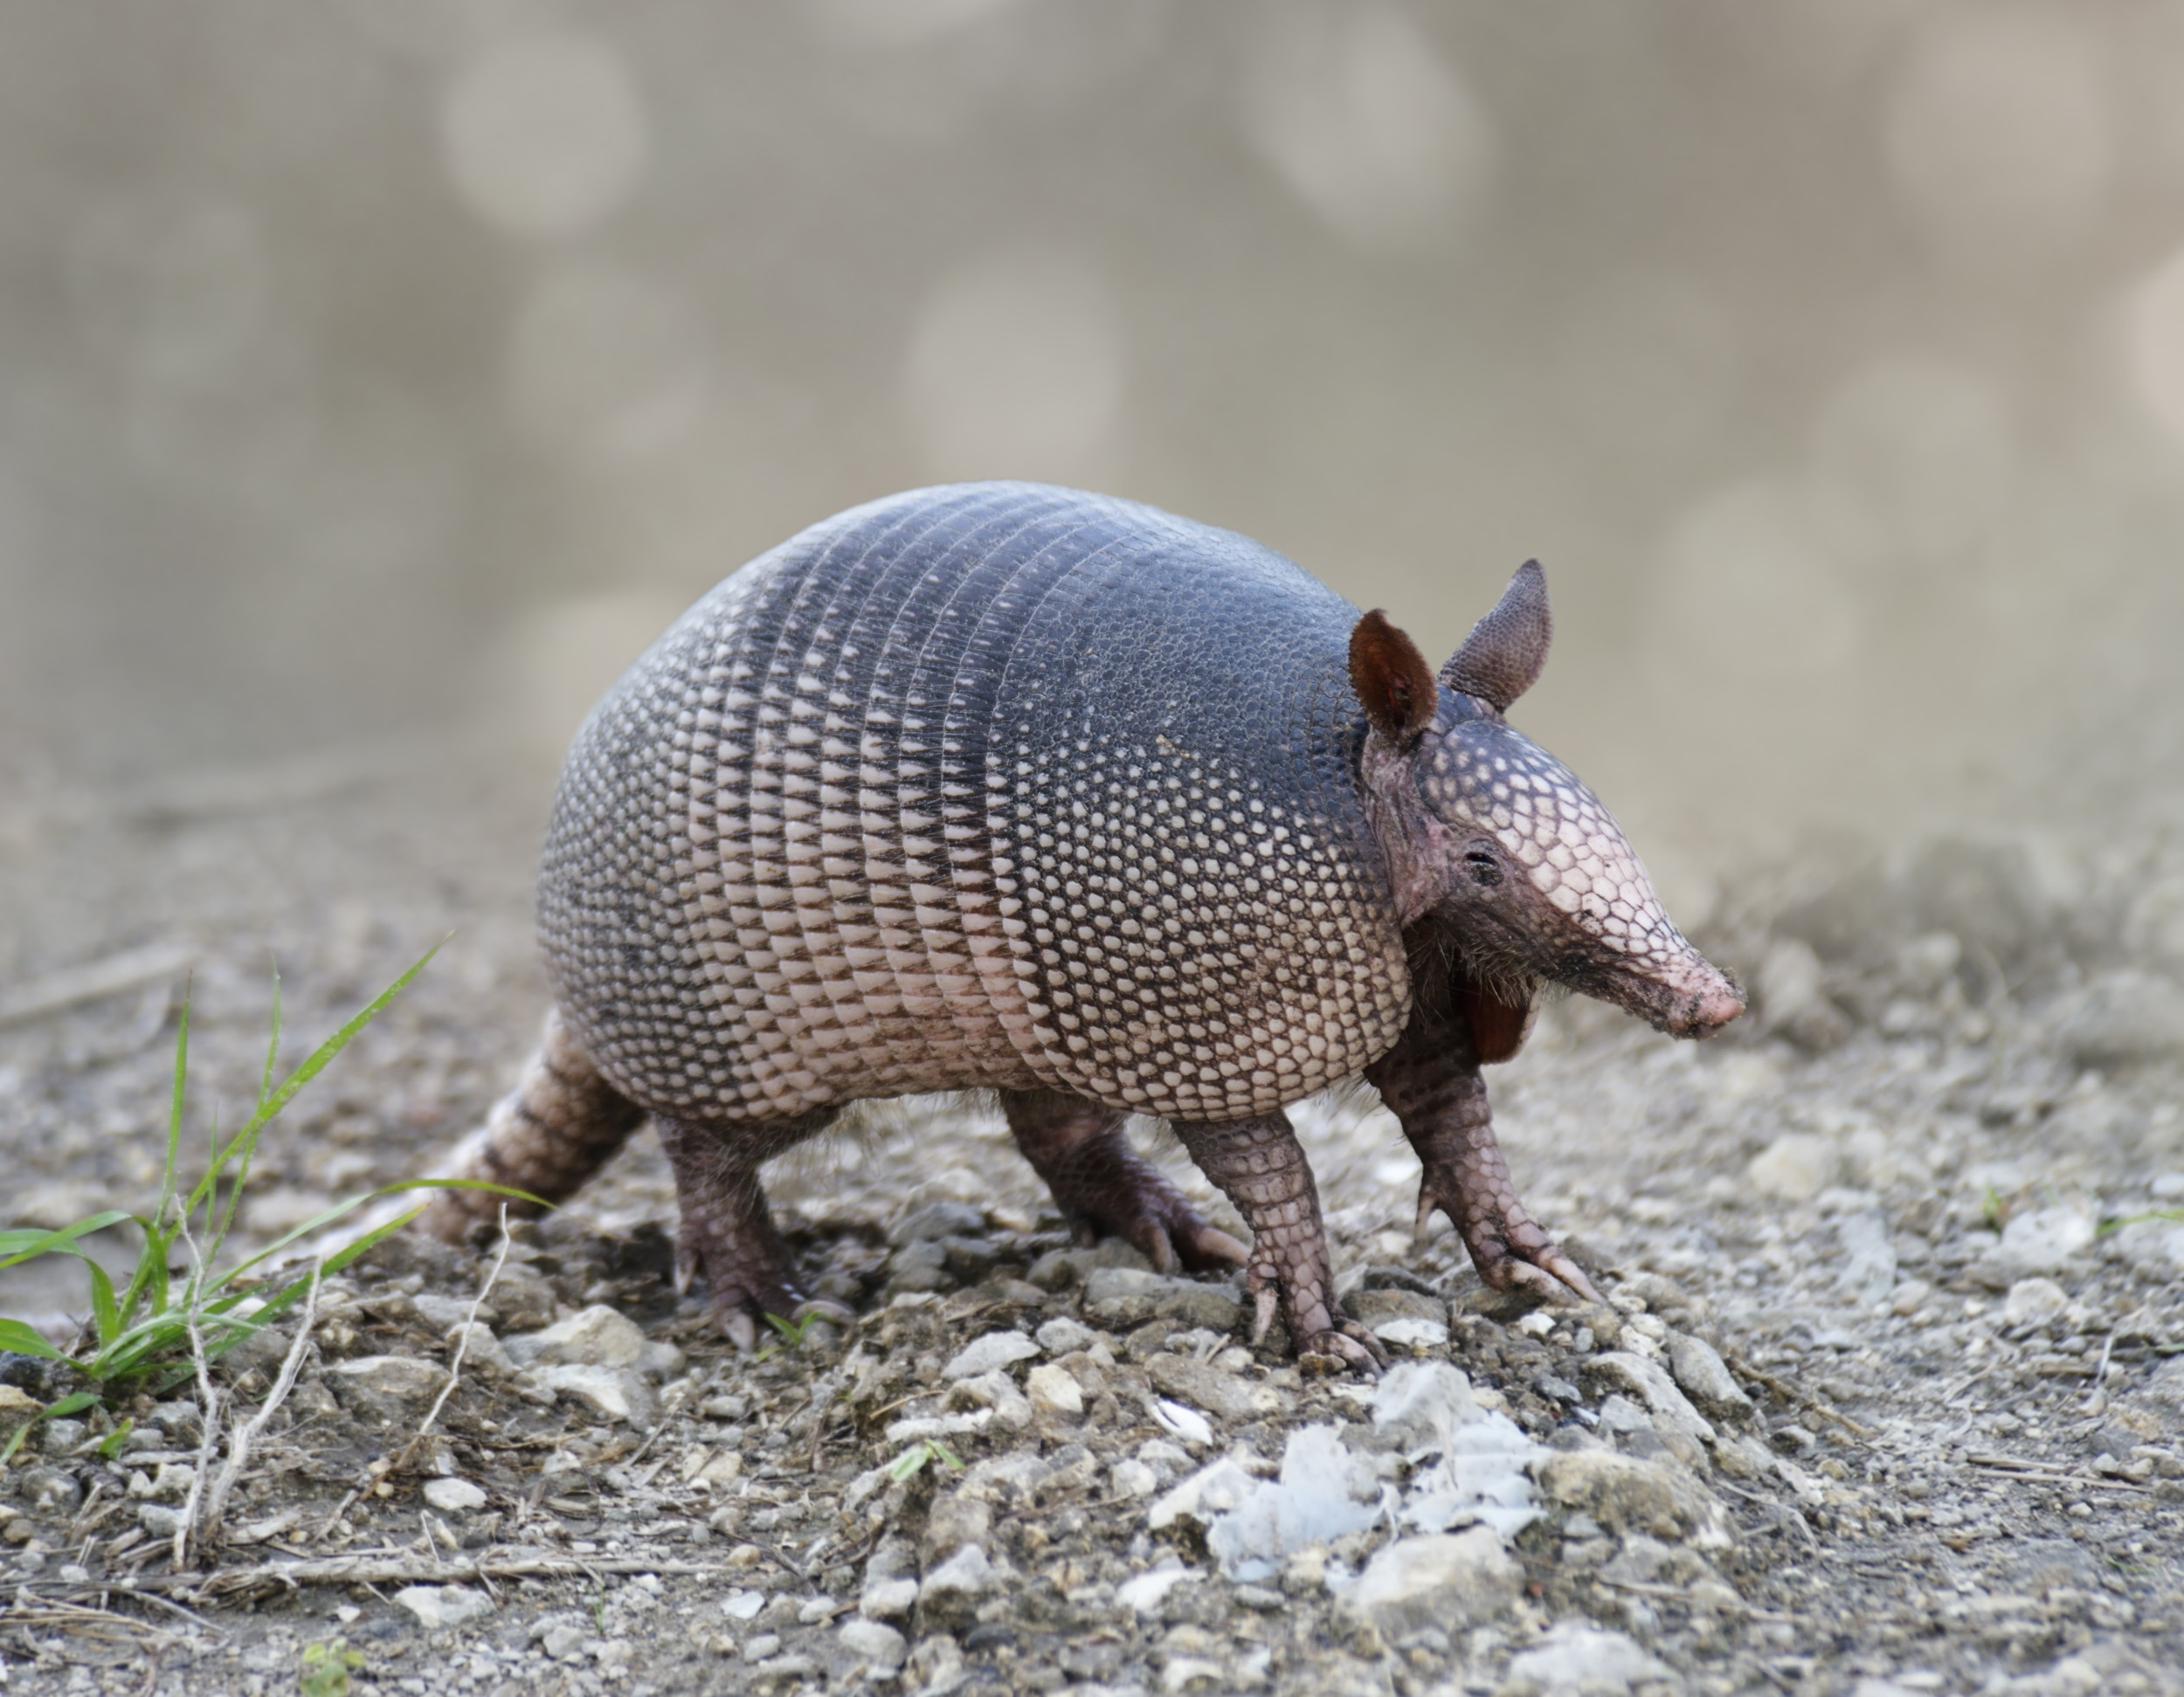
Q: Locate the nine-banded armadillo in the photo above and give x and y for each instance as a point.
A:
(1005, 786)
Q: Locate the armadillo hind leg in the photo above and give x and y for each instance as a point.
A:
(727, 1232)
(1258, 1164)
(1430, 1084)
(1103, 1186)
(560, 1125)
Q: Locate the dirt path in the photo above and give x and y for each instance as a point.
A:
(1945, 1452)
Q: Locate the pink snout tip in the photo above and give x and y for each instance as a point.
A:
(1716, 1005)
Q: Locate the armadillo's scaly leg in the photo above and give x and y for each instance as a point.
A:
(1258, 1165)
(1103, 1185)
(1432, 1085)
(560, 1125)
(726, 1231)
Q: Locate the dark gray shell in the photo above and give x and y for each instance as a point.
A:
(988, 785)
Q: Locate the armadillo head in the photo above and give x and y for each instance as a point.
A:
(1522, 868)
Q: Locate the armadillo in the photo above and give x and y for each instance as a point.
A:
(1006, 787)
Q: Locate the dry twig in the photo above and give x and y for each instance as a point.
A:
(239, 1445)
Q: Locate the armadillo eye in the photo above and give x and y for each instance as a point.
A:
(1485, 870)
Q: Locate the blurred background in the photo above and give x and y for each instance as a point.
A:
(398, 368)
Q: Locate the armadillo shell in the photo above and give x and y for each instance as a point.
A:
(988, 785)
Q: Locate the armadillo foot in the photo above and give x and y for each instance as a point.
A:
(1512, 1250)
(727, 1235)
(1105, 1188)
(1258, 1165)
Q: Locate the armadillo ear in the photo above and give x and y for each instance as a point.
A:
(1502, 656)
(1393, 683)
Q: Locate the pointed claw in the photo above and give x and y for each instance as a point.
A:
(684, 1270)
(822, 1308)
(1425, 1206)
(1210, 1242)
(741, 1329)
(1158, 1249)
(1268, 1304)
(1571, 1274)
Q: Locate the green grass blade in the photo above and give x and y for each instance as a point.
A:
(273, 1044)
(26, 1244)
(173, 1110)
(23, 1341)
(326, 1217)
(106, 1313)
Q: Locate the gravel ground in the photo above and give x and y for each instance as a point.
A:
(1874, 1404)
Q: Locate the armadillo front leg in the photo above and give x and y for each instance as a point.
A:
(1432, 1085)
(1258, 1165)
(727, 1232)
(1103, 1185)
(560, 1125)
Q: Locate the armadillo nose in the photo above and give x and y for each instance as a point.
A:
(1718, 1004)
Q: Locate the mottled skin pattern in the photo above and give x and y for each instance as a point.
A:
(1016, 788)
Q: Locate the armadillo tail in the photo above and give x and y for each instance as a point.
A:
(560, 1125)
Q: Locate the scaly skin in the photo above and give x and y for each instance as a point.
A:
(1258, 1165)
(560, 1125)
(1430, 1081)
(727, 1232)
(1104, 1187)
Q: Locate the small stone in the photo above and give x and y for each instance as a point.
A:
(1650, 1383)
(1796, 1167)
(986, 1355)
(481, 1350)
(445, 1313)
(438, 1607)
(1064, 1336)
(1438, 1579)
(2121, 1017)
(1133, 1479)
(562, 1640)
(1123, 1297)
(160, 1521)
(743, 1606)
(1054, 1390)
(2034, 1302)
(386, 1387)
(1203, 1386)
(890, 1599)
(661, 1361)
(1144, 1594)
(937, 1220)
(1792, 997)
(453, 1496)
(1579, 1657)
(1184, 1421)
(17, 1409)
(2042, 1242)
(1212, 1490)
(1910, 1297)
(1259, 1599)
(873, 1643)
(597, 1336)
(951, 1592)
(1704, 1377)
(617, 1395)
(1373, 1308)
(1410, 1332)
(1626, 1493)
(763, 1644)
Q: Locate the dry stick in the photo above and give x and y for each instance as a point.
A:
(1793, 1394)
(239, 1445)
(462, 1346)
(208, 1438)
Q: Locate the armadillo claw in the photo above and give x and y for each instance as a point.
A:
(1509, 1249)
(1265, 1303)
(1345, 1346)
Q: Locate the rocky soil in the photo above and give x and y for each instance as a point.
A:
(1876, 1403)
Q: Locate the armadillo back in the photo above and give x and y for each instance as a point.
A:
(994, 784)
